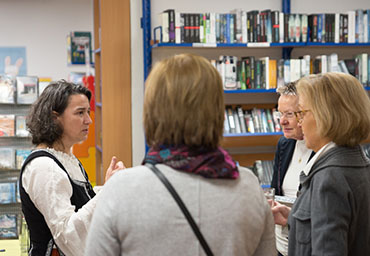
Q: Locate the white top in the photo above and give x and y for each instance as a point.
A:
(50, 190)
(290, 187)
(299, 161)
(136, 215)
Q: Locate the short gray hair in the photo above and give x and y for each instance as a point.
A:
(288, 89)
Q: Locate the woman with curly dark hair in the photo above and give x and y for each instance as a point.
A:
(57, 197)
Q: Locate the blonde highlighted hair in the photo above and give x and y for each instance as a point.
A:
(183, 103)
(340, 105)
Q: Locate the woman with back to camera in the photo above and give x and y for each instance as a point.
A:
(331, 214)
(183, 123)
(57, 198)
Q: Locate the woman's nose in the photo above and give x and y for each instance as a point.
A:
(88, 119)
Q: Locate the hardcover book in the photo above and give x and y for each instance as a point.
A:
(20, 126)
(7, 160)
(20, 156)
(79, 47)
(6, 125)
(27, 89)
(171, 25)
(8, 226)
(7, 89)
(43, 83)
(8, 193)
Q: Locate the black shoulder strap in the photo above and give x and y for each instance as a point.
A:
(39, 153)
(183, 208)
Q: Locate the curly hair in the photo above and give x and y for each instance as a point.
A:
(41, 123)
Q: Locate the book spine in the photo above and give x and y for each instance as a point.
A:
(241, 119)
(297, 28)
(269, 26)
(230, 117)
(196, 28)
(244, 27)
(177, 27)
(304, 27)
(171, 25)
(247, 73)
(258, 74)
(226, 124)
(281, 27)
(237, 122)
(336, 28)
(165, 27)
(201, 28)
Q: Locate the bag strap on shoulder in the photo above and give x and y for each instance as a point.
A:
(183, 208)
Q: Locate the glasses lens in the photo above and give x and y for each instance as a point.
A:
(289, 115)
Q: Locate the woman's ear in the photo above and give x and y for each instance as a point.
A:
(55, 115)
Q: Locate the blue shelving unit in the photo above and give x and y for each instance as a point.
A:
(261, 45)
(286, 53)
(253, 134)
(146, 26)
(251, 91)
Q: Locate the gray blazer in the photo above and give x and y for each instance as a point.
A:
(332, 214)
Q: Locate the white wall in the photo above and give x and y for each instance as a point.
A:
(42, 26)
(137, 80)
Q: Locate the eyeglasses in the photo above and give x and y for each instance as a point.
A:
(288, 114)
(300, 114)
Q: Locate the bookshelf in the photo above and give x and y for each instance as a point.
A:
(18, 145)
(112, 84)
(245, 148)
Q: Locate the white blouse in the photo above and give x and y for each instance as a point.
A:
(290, 187)
(50, 190)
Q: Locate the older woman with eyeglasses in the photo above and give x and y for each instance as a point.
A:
(290, 157)
(331, 214)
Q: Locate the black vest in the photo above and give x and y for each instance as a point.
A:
(41, 239)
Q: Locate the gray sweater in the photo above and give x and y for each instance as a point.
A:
(332, 214)
(136, 215)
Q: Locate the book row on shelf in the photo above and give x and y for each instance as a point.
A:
(12, 159)
(9, 191)
(240, 121)
(19, 90)
(263, 169)
(239, 26)
(13, 125)
(265, 73)
(16, 95)
(13, 226)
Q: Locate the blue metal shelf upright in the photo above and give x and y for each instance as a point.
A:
(146, 26)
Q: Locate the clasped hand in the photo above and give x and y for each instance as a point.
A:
(280, 212)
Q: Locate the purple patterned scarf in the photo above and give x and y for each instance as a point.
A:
(209, 164)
